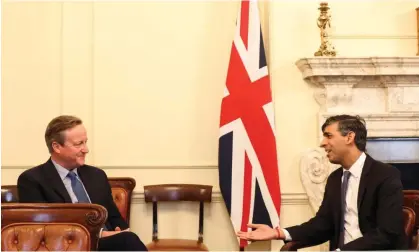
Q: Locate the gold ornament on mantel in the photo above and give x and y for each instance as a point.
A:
(323, 22)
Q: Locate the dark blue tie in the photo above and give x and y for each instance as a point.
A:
(343, 190)
(78, 188)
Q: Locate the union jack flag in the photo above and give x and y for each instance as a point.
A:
(248, 167)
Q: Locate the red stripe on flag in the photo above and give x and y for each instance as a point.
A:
(263, 141)
(247, 193)
(244, 22)
(244, 95)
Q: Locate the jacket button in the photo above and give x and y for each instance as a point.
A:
(15, 241)
(42, 243)
(70, 241)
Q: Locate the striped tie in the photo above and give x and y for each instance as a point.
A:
(78, 188)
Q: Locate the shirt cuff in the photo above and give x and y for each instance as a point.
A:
(287, 235)
(100, 233)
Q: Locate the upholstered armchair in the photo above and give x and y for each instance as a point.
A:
(57, 227)
(411, 199)
(122, 189)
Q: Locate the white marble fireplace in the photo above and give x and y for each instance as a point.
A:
(382, 90)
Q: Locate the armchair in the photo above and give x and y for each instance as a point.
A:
(58, 227)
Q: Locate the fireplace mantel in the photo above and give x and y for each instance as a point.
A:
(383, 90)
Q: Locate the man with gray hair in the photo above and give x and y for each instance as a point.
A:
(65, 178)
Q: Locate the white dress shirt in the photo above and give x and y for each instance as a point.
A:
(352, 230)
(63, 172)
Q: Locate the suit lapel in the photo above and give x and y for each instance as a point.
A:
(55, 181)
(364, 180)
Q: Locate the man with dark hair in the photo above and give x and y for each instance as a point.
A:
(362, 208)
(65, 178)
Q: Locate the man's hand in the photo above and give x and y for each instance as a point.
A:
(110, 233)
(119, 229)
(261, 233)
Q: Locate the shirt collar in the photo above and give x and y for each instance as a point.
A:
(356, 168)
(63, 172)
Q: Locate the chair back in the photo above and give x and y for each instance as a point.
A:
(409, 218)
(122, 189)
(51, 226)
(9, 194)
(178, 192)
(411, 200)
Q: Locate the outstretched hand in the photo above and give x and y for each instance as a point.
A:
(262, 232)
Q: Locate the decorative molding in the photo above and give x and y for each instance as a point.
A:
(383, 90)
(294, 199)
(340, 70)
(15, 167)
(377, 36)
(287, 198)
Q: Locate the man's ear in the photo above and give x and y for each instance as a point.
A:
(350, 137)
(56, 147)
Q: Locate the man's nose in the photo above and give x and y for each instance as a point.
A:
(323, 143)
